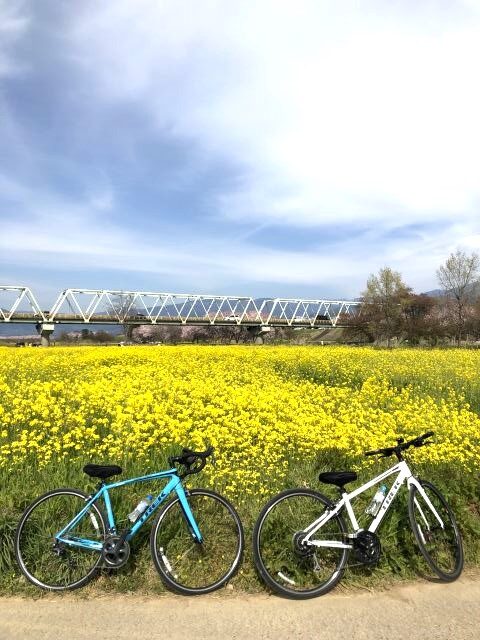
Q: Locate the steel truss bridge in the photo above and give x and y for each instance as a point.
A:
(101, 306)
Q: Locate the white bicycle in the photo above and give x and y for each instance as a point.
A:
(301, 543)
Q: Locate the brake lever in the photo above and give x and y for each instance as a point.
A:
(421, 443)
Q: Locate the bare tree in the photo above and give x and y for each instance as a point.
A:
(420, 319)
(173, 334)
(459, 280)
(123, 305)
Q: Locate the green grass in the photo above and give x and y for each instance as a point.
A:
(400, 559)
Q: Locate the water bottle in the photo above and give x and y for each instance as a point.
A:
(377, 500)
(140, 508)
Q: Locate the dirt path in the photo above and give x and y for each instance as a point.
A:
(414, 612)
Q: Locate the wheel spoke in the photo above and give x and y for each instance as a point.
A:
(441, 546)
(288, 565)
(45, 562)
(187, 565)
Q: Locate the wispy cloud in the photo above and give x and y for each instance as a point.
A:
(72, 237)
(13, 24)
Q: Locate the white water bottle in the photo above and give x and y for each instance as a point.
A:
(140, 508)
(377, 500)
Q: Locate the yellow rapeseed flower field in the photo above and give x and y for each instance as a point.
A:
(262, 408)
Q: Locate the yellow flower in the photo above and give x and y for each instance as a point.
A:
(264, 409)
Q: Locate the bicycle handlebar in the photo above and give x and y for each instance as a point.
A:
(188, 458)
(419, 441)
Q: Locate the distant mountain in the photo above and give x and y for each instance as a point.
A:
(473, 291)
(435, 293)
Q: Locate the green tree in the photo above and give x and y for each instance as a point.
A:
(384, 301)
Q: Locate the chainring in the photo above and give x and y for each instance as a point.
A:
(367, 548)
(115, 558)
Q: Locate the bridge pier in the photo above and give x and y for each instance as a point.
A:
(45, 329)
(257, 333)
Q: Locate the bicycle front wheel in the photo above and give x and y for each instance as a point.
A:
(440, 542)
(289, 567)
(43, 560)
(190, 567)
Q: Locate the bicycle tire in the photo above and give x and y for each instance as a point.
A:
(431, 537)
(286, 551)
(48, 557)
(180, 560)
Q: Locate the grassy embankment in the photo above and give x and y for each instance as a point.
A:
(276, 415)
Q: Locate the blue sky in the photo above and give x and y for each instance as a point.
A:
(256, 148)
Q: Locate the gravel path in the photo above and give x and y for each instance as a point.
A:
(413, 612)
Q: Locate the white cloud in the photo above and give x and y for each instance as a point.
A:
(336, 111)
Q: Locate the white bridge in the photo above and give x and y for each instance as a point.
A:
(101, 306)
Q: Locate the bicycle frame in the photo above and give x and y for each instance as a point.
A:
(404, 475)
(174, 484)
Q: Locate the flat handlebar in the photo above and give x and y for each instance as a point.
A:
(419, 441)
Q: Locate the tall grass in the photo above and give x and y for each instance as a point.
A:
(400, 557)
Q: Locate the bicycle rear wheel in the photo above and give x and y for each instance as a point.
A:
(441, 546)
(288, 567)
(190, 567)
(42, 559)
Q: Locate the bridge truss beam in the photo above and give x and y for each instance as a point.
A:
(13, 300)
(102, 306)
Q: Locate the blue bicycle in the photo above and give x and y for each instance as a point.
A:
(64, 539)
